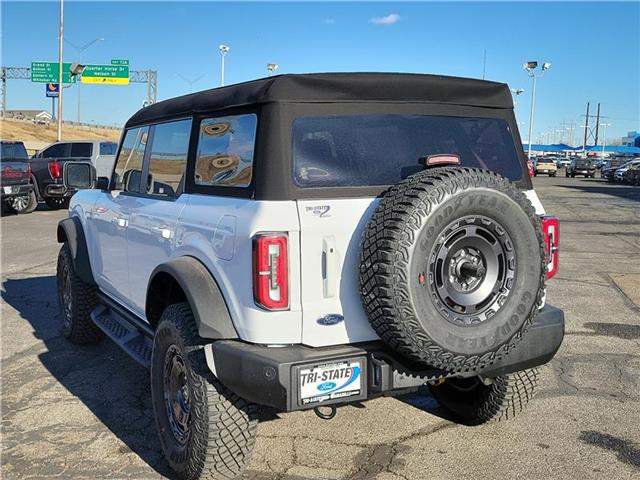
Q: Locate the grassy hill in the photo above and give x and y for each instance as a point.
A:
(29, 132)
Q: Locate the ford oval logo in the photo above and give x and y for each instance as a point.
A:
(330, 319)
(323, 387)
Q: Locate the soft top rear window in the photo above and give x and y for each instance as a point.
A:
(371, 150)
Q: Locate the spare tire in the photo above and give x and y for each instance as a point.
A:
(452, 268)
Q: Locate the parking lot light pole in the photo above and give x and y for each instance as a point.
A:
(530, 68)
(224, 50)
(60, 41)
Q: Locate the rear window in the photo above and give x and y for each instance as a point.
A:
(369, 150)
(13, 150)
(108, 148)
(81, 149)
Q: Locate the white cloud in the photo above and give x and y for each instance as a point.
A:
(329, 21)
(386, 20)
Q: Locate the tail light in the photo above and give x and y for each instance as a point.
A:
(271, 271)
(551, 232)
(530, 167)
(54, 169)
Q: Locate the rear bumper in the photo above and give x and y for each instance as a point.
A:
(58, 190)
(270, 375)
(9, 191)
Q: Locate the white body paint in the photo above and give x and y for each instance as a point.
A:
(128, 236)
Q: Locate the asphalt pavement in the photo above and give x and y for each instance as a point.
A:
(85, 412)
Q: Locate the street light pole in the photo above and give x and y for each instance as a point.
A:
(530, 69)
(80, 51)
(224, 49)
(60, 40)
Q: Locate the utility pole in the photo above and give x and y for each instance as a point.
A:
(60, 41)
(586, 129)
(484, 64)
(571, 129)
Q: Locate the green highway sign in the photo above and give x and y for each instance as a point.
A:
(48, 72)
(119, 61)
(106, 74)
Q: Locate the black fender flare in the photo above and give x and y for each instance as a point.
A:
(203, 294)
(70, 231)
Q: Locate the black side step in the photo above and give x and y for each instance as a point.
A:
(133, 335)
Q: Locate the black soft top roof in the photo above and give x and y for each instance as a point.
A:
(332, 88)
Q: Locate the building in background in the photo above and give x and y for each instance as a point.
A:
(632, 139)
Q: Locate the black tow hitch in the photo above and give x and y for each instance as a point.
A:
(324, 415)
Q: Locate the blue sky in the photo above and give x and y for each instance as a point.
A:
(594, 48)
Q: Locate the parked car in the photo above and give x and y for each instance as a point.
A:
(16, 190)
(48, 165)
(632, 176)
(545, 166)
(619, 174)
(581, 166)
(383, 234)
(100, 152)
(609, 167)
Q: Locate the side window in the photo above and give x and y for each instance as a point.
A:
(225, 151)
(81, 149)
(58, 150)
(128, 169)
(168, 158)
(108, 148)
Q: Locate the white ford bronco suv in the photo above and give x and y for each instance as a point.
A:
(306, 241)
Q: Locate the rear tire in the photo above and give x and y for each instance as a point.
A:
(472, 402)
(56, 203)
(205, 430)
(76, 299)
(24, 204)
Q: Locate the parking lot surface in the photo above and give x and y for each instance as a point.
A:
(85, 412)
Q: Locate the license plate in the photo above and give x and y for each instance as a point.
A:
(329, 381)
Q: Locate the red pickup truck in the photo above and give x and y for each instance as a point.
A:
(16, 190)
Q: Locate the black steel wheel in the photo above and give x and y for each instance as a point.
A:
(176, 394)
(471, 269)
(452, 268)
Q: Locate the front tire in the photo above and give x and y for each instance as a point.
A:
(76, 299)
(24, 204)
(205, 430)
(57, 203)
(473, 402)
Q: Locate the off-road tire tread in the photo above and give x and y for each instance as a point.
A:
(51, 203)
(85, 299)
(225, 425)
(502, 400)
(384, 256)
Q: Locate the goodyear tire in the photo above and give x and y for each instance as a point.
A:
(76, 300)
(473, 402)
(452, 268)
(205, 430)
